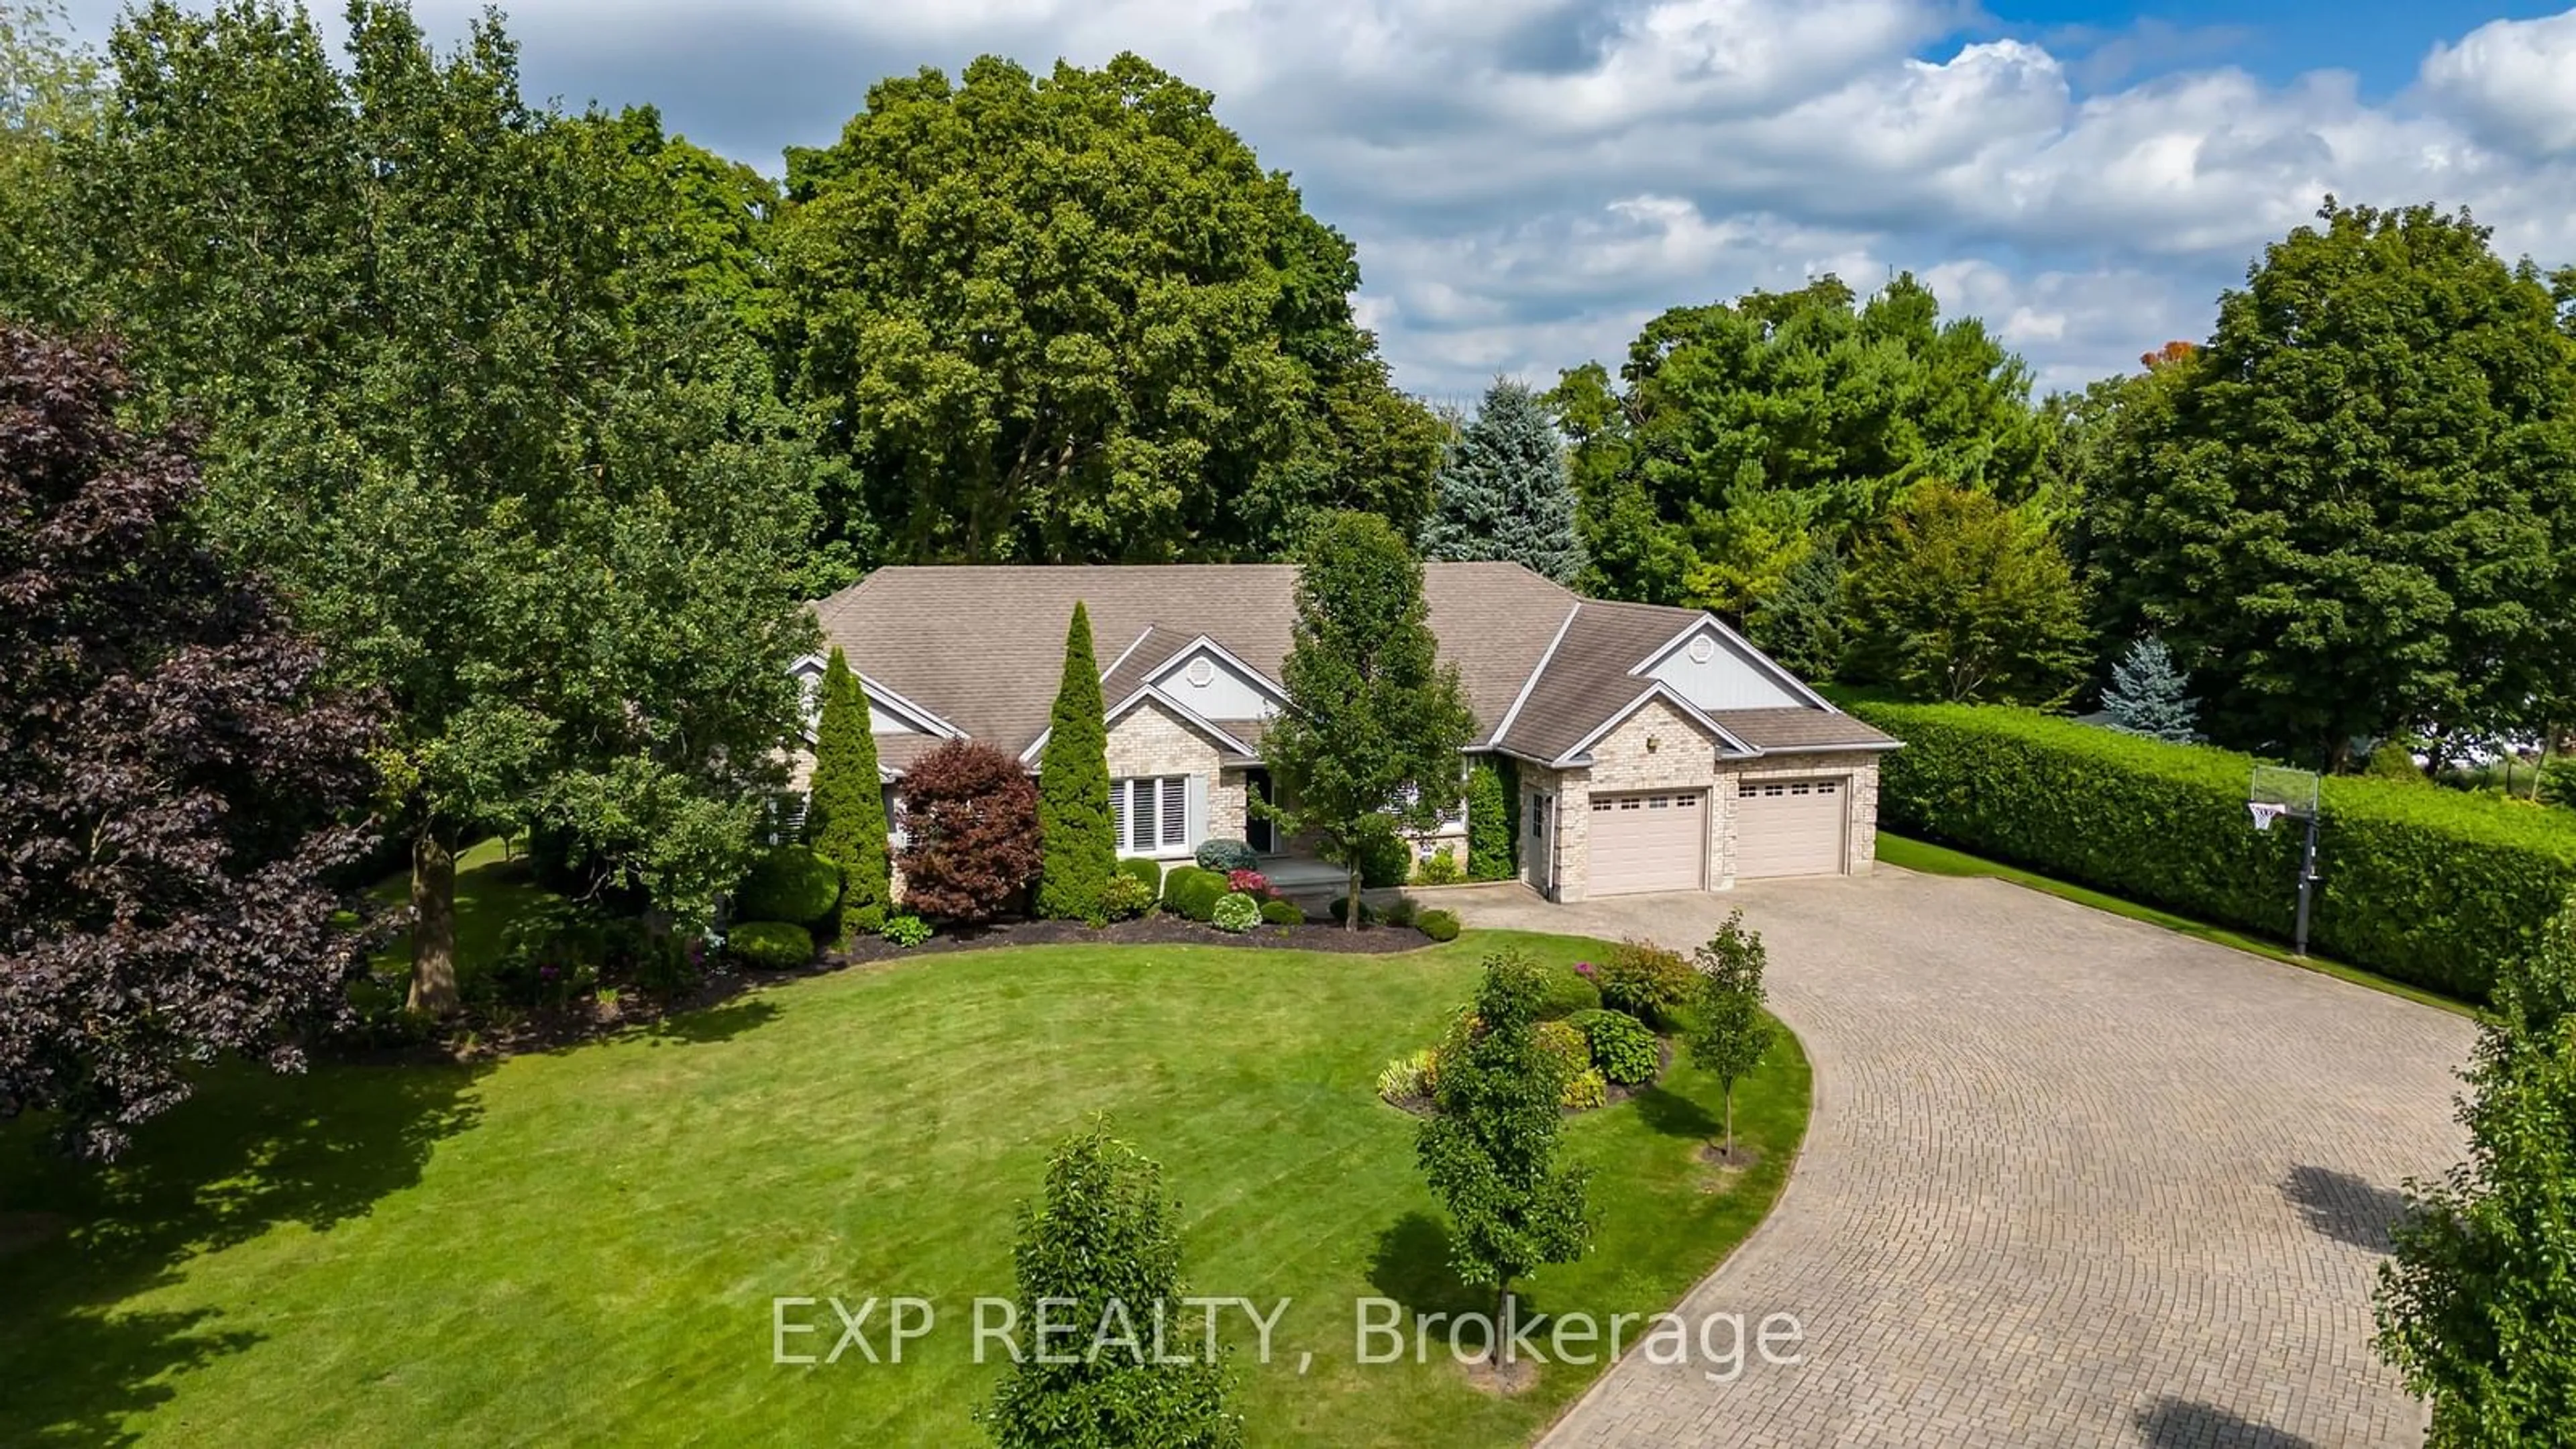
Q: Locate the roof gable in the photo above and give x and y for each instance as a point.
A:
(1716, 668)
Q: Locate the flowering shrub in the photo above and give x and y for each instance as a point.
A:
(1251, 882)
(1236, 912)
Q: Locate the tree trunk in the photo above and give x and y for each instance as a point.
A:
(1502, 1322)
(1730, 1121)
(433, 930)
(1351, 910)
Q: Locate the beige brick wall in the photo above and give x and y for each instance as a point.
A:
(1151, 740)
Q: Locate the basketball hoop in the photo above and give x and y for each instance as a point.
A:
(2265, 812)
(2278, 790)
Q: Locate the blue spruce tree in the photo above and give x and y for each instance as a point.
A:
(1504, 493)
(2147, 695)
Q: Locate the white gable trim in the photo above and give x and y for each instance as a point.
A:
(1730, 639)
(1531, 683)
(1127, 706)
(1669, 695)
(879, 697)
(1133, 646)
(1182, 656)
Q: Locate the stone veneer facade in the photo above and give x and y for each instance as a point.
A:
(1657, 748)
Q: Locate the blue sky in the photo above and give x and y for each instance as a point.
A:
(1528, 181)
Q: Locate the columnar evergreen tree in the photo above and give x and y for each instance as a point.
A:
(1732, 1035)
(2477, 1306)
(1101, 1250)
(845, 817)
(1368, 746)
(1074, 823)
(178, 781)
(2150, 696)
(1489, 1150)
(1503, 491)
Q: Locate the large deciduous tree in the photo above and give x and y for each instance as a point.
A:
(1101, 1249)
(1368, 745)
(2477, 1306)
(2350, 513)
(1959, 597)
(50, 92)
(177, 780)
(845, 817)
(1074, 823)
(1489, 1150)
(1070, 318)
(1740, 437)
(468, 408)
(1503, 490)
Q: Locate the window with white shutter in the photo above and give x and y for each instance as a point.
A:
(1151, 812)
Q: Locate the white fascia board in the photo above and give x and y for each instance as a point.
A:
(1658, 690)
(1522, 698)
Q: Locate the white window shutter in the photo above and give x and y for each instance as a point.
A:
(1118, 811)
(1195, 828)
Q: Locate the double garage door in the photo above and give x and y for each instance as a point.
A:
(1648, 840)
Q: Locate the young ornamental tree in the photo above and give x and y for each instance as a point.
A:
(845, 810)
(1074, 824)
(1503, 490)
(1101, 1251)
(2477, 1306)
(2150, 696)
(1490, 1149)
(1368, 746)
(970, 820)
(177, 782)
(1732, 1035)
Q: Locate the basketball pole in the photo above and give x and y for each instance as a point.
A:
(2307, 881)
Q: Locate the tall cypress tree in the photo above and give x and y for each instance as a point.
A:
(1073, 788)
(1504, 493)
(845, 819)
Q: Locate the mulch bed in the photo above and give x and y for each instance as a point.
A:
(478, 1035)
(1158, 929)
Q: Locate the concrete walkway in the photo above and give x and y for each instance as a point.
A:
(2071, 1180)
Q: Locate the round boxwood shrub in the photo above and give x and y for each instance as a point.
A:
(1568, 994)
(1150, 872)
(1227, 856)
(1282, 913)
(770, 945)
(1438, 925)
(789, 883)
(1192, 892)
(1234, 911)
(1622, 1046)
(1342, 911)
(1125, 897)
(1399, 912)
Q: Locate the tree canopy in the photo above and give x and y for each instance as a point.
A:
(1739, 437)
(178, 781)
(1958, 597)
(1504, 492)
(1069, 318)
(467, 408)
(2349, 514)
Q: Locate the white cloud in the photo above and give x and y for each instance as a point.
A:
(2514, 81)
(1529, 180)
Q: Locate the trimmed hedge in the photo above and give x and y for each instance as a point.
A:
(2432, 887)
(789, 883)
(1439, 925)
(1282, 913)
(770, 945)
(1191, 891)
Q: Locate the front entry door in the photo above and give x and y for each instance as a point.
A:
(1257, 831)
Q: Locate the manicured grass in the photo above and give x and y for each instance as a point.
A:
(583, 1246)
(1919, 855)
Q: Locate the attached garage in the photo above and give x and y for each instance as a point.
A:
(1648, 840)
(1790, 827)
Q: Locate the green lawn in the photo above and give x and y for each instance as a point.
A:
(583, 1245)
(1919, 855)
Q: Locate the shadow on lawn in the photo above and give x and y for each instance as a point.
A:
(249, 1153)
(1672, 1115)
(713, 1023)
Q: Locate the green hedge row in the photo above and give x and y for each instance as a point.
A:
(2426, 885)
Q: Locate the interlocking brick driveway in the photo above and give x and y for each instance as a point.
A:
(2071, 1180)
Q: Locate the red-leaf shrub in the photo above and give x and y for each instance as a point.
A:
(1251, 882)
(970, 820)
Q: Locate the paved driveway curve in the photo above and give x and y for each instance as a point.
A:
(2071, 1180)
